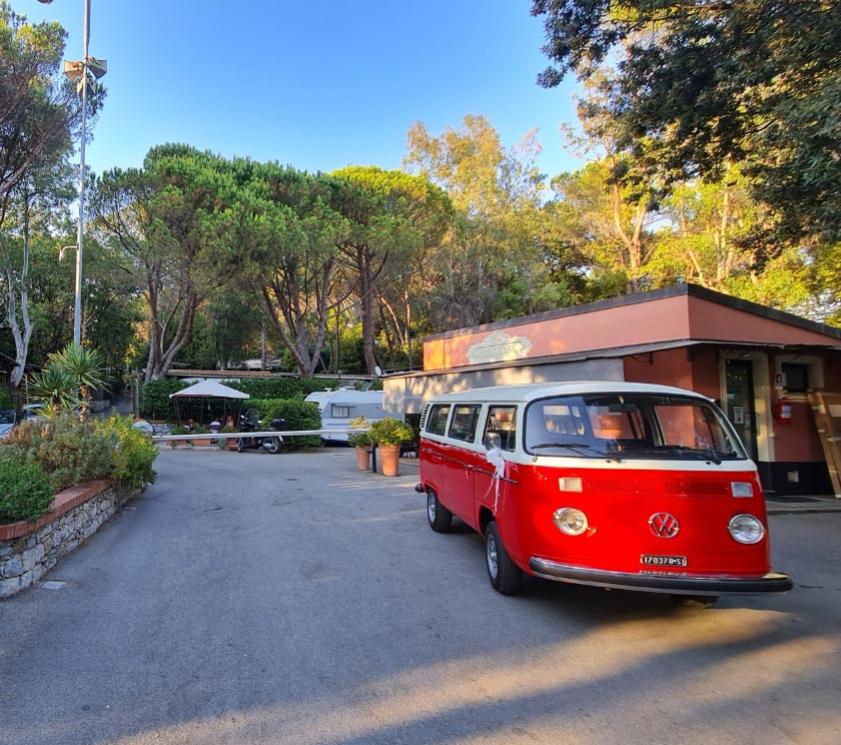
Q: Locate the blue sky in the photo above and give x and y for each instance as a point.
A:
(317, 85)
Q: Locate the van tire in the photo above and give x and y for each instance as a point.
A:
(438, 516)
(506, 577)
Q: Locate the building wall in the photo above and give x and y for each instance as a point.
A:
(407, 394)
(665, 319)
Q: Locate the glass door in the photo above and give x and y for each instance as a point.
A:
(740, 402)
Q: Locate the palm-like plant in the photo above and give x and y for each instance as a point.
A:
(85, 367)
(56, 389)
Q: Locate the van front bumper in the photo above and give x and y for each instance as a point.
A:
(675, 584)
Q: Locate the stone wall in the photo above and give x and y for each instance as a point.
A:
(25, 558)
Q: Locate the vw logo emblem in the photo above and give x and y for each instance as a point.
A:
(664, 525)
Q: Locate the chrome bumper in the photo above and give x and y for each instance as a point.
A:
(674, 584)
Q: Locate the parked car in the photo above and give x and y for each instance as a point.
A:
(8, 419)
(32, 411)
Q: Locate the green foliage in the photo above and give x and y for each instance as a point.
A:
(5, 398)
(25, 491)
(69, 451)
(703, 86)
(282, 387)
(85, 367)
(134, 452)
(359, 439)
(299, 415)
(391, 431)
(155, 402)
(55, 388)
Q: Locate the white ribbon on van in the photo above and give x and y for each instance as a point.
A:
(497, 460)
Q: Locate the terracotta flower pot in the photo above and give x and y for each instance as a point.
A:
(363, 458)
(389, 456)
(233, 443)
(202, 442)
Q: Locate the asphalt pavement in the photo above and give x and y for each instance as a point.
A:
(255, 598)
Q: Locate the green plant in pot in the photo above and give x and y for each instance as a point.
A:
(389, 434)
(361, 441)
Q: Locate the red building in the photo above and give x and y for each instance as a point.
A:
(758, 363)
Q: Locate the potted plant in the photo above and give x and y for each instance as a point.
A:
(180, 429)
(202, 441)
(361, 441)
(389, 434)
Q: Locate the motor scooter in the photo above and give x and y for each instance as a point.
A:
(249, 421)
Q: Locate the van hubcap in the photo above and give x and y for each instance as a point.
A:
(431, 508)
(493, 561)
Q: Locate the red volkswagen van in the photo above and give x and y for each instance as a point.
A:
(612, 484)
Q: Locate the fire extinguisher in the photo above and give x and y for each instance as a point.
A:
(781, 411)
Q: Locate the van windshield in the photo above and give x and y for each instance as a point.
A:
(636, 425)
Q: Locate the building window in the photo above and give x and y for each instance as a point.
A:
(339, 412)
(796, 377)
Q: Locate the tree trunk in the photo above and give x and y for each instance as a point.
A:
(14, 286)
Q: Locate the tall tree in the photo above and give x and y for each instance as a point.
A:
(493, 260)
(287, 252)
(39, 111)
(166, 222)
(705, 85)
(392, 216)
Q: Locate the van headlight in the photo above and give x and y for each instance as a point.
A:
(746, 529)
(570, 521)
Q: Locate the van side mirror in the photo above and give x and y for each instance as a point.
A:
(492, 440)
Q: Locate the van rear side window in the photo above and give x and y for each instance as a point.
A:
(436, 422)
(463, 426)
(501, 428)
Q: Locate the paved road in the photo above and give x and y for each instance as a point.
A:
(249, 598)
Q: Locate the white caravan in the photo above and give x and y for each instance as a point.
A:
(339, 407)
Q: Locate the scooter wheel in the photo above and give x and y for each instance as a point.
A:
(273, 445)
(240, 445)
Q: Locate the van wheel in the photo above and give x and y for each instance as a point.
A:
(439, 516)
(506, 577)
(695, 601)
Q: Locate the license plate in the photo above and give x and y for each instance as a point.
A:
(653, 560)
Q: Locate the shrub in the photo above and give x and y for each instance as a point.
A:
(25, 490)
(134, 452)
(6, 399)
(155, 402)
(391, 431)
(298, 415)
(360, 439)
(69, 451)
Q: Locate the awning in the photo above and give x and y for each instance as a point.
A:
(209, 389)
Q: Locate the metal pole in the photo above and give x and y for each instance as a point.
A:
(77, 308)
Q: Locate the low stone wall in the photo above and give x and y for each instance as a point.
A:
(29, 549)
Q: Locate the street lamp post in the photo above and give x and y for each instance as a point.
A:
(80, 71)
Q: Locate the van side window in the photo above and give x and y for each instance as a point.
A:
(436, 422)
(339, 412)
(501, 427)
(465, 419)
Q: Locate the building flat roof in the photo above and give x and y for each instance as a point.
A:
(646, 297)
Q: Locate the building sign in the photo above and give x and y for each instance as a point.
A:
(498, 347)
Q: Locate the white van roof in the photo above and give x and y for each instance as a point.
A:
(347, 394)
(532, 391)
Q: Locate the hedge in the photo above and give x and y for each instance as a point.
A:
(284, 388)
(154, 398)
